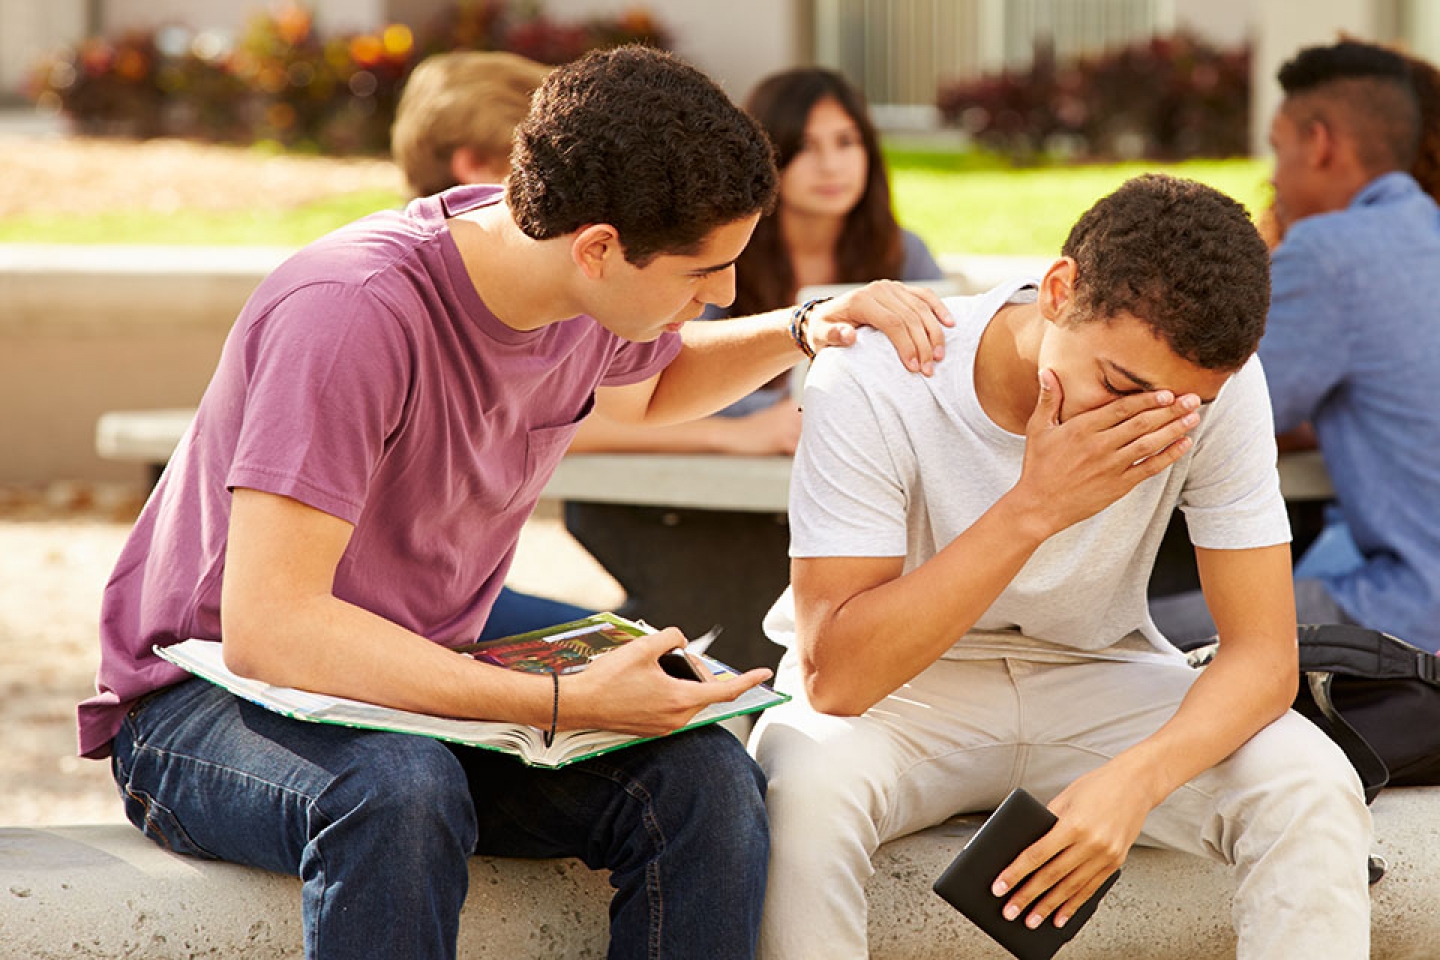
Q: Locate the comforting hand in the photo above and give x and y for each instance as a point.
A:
(1100, 818)
(627, 690)
(1075, 469)
(912, 317)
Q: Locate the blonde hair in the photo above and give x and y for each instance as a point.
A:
(463, 99)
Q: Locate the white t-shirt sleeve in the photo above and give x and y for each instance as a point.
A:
(847, 491)
(1231, 497)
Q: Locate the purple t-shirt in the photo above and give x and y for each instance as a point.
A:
(366, 378)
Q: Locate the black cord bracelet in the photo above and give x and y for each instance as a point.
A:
(800, 325)
(554, 708)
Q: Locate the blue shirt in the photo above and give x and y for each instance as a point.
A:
(1353, 346)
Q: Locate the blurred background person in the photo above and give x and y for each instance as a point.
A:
(1320, 528)
(456, 116)
(1351, 341)
(1425, 82)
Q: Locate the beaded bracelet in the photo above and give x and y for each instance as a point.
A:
(554, 708)
(800, 325)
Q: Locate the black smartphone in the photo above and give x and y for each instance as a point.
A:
(679, 666)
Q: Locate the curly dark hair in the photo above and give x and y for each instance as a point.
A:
(869, 247)
(638, 139)
(1180, 256)
(1364, 88)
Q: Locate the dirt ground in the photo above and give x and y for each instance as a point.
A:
(58, 545)
(57, 175)
(57, 548)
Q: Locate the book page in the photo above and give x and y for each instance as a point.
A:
(205, 659)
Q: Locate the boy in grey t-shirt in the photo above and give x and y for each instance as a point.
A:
(967, 609)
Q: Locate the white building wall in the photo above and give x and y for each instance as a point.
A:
(735, 41)
(1225, 23)
(28, 31)
(331, 16)
(1423, 28)
(1282, 27)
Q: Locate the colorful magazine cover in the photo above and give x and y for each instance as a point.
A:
(563, 648)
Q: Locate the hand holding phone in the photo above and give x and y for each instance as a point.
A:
(679, 666)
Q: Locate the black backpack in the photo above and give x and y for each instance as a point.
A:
(1378, 697)
(1375, 695)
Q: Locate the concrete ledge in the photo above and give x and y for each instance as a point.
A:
(86, 329)
(1165, 906)
(100, 291)
(105, 891)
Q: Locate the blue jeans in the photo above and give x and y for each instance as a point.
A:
(515, 612)
(378, 826)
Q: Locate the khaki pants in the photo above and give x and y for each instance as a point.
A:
(1286, 809)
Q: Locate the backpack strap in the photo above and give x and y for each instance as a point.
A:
(1350, 650)
(1374, 774)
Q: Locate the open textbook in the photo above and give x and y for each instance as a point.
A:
(566, 647)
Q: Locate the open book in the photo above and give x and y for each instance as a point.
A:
(563, 645)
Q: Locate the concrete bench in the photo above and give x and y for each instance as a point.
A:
(106, 891)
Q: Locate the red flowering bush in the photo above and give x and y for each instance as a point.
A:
(1164, 99)
(282, 81)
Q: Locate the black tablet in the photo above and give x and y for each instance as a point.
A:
(966, 883)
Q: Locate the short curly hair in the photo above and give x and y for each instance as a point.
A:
(638, 139)
(1180, 256)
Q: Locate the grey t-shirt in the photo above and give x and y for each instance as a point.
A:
(892, 464)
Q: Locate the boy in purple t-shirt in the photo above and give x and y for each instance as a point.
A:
(384, 416)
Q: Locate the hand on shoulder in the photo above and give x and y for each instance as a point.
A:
(912, 318)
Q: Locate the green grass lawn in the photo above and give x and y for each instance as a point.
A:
(959, 202)
(291, 228)
(1029, 211)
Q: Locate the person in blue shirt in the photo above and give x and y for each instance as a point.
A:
(1353, 340)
